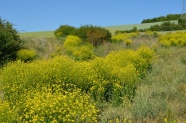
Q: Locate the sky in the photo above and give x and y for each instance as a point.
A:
(48, 15)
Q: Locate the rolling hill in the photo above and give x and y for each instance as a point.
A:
(112, 29)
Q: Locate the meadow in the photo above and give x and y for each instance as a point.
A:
(143, 81)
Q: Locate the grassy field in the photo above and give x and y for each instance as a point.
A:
(42, 34)
(112, 29)
(160, 95)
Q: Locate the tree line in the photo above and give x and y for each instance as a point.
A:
(168, 17)
(165, 26)
(88, 33)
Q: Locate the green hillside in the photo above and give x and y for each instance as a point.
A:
(46, 34)
(112, 29)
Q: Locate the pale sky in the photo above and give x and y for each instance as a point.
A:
(48, 15)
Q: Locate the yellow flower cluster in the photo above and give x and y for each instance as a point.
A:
(173, 39)
(26, 55)
(61, 106)
(79, 50)
(6, 114)
(58, 88)
(120, 71)
(126, 37)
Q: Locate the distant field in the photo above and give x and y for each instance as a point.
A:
(46, 34)
(112, 29)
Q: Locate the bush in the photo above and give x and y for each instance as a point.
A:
(123, 37)
(128, 42)
(26, 55)
(72, 41)
(75, 47)
(47, 106)
(88, 33)
(83, 53)
(118, 38)
(105, 79)
(64, 30)
(10, 42)
(93, 34)
(173, 39)
(120, 72)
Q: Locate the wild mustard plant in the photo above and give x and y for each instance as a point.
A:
(79, 50)
(35, 90)
(26, 55)
(6, 114)
(59, 106)
(126, 37)
(173, 39)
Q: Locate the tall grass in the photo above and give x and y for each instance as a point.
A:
(44, 47)
(162, 93)
(160, 96)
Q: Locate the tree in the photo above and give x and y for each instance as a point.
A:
(10, 42)
(88, 33)
(182, 23)
(93, 34)
(82, 32)
(64, 30)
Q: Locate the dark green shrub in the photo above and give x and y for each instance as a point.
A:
(64, 30)
(93, 34)
(10, 42)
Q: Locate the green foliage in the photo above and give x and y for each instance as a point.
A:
(168, 17)
(88, 33)
(9, 40)
(64, 30)
(166, 25)
(133, 30)
(182, 22)
(26, 55)
(93, 34)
